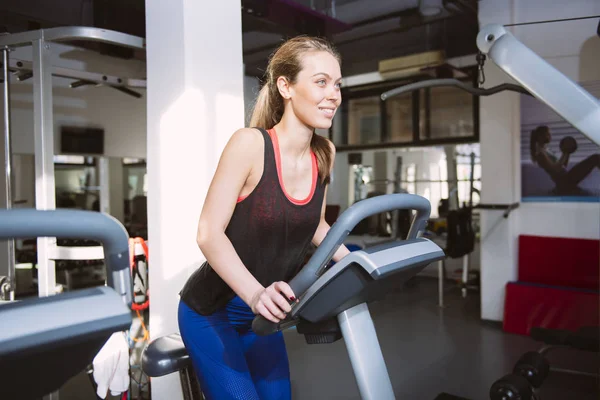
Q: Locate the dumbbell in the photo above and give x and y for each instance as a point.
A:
(568, 144)
(511, 387)
(534, 367)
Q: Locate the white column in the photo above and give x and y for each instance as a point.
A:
(44, 158)
(195, 103)
(500, 175)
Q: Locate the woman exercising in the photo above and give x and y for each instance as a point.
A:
(264, 207)
(566, 180)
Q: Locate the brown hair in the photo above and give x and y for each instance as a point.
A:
(286, 61)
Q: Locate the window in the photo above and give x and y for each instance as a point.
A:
(432, 116)
(399, 112)
(364, 121)
(450, 113)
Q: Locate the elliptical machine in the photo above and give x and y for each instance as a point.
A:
(333, 300)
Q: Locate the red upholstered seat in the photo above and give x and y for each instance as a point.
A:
(558, 287)
(559, 261)
(530, 305)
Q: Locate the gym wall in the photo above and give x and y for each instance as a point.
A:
(122, 117)
(574, 49)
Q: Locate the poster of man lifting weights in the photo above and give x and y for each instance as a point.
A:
(558, 163)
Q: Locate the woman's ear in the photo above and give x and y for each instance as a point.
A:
(283, 85)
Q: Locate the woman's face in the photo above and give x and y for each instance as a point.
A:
(545, 137)
(316, 96)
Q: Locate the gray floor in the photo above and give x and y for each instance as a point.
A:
(428, 351)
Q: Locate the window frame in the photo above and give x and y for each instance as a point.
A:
(376, 89)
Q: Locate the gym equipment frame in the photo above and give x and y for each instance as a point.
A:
(41, 71)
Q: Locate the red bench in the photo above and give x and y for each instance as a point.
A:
(558, 285)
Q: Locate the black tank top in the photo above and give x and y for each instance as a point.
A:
(270, 231)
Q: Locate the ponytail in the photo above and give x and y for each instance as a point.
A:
(268, 108)
(322, 149)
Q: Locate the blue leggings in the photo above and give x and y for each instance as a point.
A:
(230, 360)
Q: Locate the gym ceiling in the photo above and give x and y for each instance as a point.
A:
(364, 31)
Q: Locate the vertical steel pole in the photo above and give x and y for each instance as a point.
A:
(104, 172)
(8, 169)
(44, 159)
(43, 126)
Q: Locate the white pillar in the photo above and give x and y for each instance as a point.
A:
(500, 175)
(195, 103)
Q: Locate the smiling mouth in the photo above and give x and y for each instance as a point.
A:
(327, 111)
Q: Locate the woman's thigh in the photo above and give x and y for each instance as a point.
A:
(268, 363)
(217, 353)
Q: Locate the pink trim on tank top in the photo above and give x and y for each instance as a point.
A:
(315, 173)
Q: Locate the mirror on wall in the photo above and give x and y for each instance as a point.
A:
(116, 186)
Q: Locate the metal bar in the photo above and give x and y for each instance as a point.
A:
(8, 170)
(390, 181)
(22, 65)
(77, 253)
(365, 354)
(44, 160)
(574, 372)
(451, 83)
(471, 179)
(465, 275)
(74, 33)
(542, 80)
(27, 223)
(441, 283)
(104, 172)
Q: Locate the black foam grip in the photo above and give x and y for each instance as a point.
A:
(263, 327)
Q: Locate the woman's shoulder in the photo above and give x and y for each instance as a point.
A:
(247, 138)
(247, 135)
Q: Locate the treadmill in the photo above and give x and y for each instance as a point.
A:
(47, 340)
(333, 300)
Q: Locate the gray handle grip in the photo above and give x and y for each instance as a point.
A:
(71, 224)
(338, 232)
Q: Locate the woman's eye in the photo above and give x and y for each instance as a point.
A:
(321, 82)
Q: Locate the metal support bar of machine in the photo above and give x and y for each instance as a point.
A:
(44, 159)
(23, 65)
(441, 283)
(465, 275)
(104, 172)
(546, 83)
(74, 33)
(10, 289)
(365, 354)
(77, 253)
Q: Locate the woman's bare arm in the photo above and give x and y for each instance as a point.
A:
(232, 171)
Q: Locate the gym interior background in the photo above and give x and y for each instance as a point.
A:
(149, 159)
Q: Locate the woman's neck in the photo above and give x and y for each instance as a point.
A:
(294, 137)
